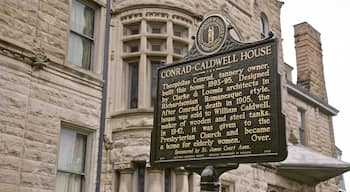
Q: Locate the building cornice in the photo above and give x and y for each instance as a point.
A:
(116, 11)
(39, 61)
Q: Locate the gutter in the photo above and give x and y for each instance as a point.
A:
(104, 97)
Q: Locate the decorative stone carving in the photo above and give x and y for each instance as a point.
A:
(40, 60)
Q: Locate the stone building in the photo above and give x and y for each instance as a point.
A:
(51, 82)
(50, 94)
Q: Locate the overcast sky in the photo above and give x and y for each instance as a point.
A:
(330, 18)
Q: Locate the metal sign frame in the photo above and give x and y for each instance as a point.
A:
(279, 151)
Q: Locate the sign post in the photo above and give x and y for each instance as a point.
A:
(220, 106)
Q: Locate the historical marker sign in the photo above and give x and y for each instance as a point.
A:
(220, 108)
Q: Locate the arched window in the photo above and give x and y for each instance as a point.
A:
(264, 26)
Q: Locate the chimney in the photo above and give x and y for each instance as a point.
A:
(309, 60)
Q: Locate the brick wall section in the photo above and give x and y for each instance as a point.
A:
(309, 60)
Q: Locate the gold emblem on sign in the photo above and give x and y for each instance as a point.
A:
(211, 34)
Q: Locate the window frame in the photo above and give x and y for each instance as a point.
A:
(161, 61)
(129, 82)
(264, 26)
(180, 30)
(156, 27)
(301, 126)
(85, 175)
(130, 28)
(90, 66)
(151, 45)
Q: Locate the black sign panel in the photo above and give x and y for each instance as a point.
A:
(222, 108)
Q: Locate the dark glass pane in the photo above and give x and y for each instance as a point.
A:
(178, 33)
(79, 51)
(141, 179)
(177, 50)
(82, 19)
(167, 180)
(302, 136)
(155, 64)
(134, 31)
(264, 28)
(134, 84)
(134, 48)
(155, 47)
(156, 30)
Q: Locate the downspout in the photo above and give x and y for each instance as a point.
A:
(104, 97)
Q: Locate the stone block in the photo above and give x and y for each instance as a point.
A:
(10, 145)
(9, 176)
(38, 181)
(9, 163)
(39, 168)
(5, 187)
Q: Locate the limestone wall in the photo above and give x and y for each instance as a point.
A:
(39, 92)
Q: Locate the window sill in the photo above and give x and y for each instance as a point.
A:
(181, 39)
(79, 73)
(132, 112)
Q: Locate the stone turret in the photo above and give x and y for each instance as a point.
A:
(309, 60)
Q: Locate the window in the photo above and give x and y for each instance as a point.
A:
(131, 46)
(156, 47)
(264, 26)
(81, 37)
(134, 48)
(167, 180)
(155, 64)
(132, 29)
(141, 172)
(178, 50)
(154, 39)
(274, 188)
(133, 84)
(180, 31)
(71, 161)
(156, 44)
(157, 27)
(301, 127)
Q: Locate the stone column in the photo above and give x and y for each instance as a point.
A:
(144, 79)
(126, 180)
(169, 42)
(181, 180)
(155, 180)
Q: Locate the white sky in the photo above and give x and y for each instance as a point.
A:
(330, 19)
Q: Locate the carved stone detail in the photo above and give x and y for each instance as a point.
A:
(40, 60)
